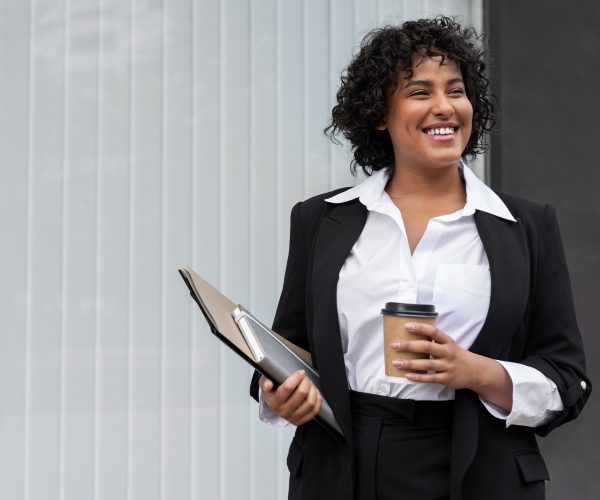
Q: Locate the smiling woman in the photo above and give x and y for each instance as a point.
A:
(385, 62)
(504, 360)
(429, 117)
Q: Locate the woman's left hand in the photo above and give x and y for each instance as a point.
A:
(454, 366)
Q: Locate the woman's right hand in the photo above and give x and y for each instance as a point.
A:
(296, 399)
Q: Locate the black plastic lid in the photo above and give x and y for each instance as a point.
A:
(398, 309)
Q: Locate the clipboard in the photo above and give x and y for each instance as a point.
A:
(283, 357)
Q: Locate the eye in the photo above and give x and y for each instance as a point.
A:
(457, 91)
(418, 93)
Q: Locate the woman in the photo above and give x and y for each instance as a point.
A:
(506, 362)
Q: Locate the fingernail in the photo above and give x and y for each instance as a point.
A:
(399, 363)
(396, 345)
(410, 326)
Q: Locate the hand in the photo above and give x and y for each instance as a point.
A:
(454, 366)
(297, 399)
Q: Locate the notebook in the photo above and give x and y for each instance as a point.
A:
(269, 353)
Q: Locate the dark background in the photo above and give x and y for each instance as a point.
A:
(545, 72)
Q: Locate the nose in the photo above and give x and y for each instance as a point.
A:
(441, 105)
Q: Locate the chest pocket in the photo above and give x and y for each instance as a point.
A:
(461, 294)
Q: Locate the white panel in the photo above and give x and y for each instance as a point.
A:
(316, 95)
(176, 241)
(14, 213)
(146, 232)
(206, 425)
(79, 252)
(345, 41)
(391, 11)
(112, 262)
(45, 267)
(263, 158)
(413, 10)
(365, 18)
(290, 116)
(433, 8)
(461, 9)
(235, 204)
(290, 154)
(475, 15)
(262, 245)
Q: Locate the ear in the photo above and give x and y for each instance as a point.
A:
(382, 126)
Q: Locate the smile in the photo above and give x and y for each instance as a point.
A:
(441, 131)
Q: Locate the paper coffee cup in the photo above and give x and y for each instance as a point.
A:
(395, 316)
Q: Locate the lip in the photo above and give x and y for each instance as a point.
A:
(440, 125)
(441, 138)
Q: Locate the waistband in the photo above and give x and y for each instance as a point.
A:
(390, 409)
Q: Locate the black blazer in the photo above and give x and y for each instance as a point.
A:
(531, 320)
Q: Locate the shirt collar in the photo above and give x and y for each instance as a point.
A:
(479, 196)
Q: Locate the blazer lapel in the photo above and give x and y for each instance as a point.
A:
(336, 236)
(506, 248)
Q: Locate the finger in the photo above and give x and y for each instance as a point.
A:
(298, 397)
(428, 378)
(310, 408)
(420, 365)
(303, 412)
(428, 330)
(287, 388)
(422, 346)
(319, 402)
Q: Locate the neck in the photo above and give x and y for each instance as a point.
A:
(434, 183)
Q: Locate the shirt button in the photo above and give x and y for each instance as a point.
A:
(382, 389)
(583, 385)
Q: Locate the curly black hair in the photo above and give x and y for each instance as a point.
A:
(372, 77)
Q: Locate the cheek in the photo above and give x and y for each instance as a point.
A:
(407, 112)
(467, 111)
(467, 116)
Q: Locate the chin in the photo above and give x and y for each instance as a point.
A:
(444, 161)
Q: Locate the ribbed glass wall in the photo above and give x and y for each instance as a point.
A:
(136, 137)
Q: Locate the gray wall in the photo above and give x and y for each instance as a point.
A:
(546, 75)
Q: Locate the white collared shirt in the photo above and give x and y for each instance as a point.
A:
(448, 268)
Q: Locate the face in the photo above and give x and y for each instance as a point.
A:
(430, 117)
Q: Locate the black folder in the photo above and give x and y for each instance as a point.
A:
(282, 357)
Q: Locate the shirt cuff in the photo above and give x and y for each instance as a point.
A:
(267, 415)
(535, 398)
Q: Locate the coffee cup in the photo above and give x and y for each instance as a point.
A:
(395, 316)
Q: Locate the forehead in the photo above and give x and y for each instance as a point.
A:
(432, 65)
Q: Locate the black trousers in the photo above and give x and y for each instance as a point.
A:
(402, 447)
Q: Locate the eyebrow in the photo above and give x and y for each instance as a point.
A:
(428, 83)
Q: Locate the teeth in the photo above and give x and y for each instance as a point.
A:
(440, 131)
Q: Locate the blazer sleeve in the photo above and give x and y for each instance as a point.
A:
(290, 317)
(554, 346)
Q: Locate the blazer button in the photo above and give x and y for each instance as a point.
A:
(583, 385)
